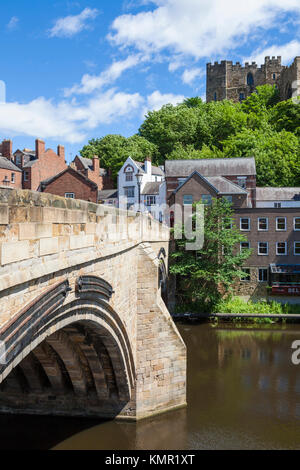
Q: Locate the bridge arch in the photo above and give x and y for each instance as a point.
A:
(72, 348)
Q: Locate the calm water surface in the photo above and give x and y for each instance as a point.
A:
(243, 393)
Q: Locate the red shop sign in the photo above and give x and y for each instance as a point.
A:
(286, 290)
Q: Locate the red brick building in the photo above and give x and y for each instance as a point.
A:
(40, 164)
(90, 168)
(10, 174)
(70, 183)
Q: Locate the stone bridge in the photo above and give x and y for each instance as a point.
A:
(83, 327)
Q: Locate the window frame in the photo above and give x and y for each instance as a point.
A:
(267, 224)
(285, 251)
(294, 224)
(295, 242)
(281, 229)
(243, 180)
(149, 197)
(126, 189)
(13, 177)
(263, 280)
(26, 175)
(249, 224)
(244, 279)
(258, 247)
(244, 248)
(203, 196)
(189, 203)
(67, 195)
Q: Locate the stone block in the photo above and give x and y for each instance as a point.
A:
(27, 231)
(3, 214)
(48, 246)
(43, 230)
(11, 252)
(81, 241)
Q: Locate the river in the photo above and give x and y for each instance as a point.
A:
(243, 393)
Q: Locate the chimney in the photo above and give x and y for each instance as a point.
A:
(148, 166)
(61, 151)
(39, 147)
(96, 164)
(7, 149)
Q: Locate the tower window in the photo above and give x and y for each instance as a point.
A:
(274, 76)
(215, 96)
(250, 79)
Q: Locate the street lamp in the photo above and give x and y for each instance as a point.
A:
(139, 177)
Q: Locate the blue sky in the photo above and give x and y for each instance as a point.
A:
(80, 69)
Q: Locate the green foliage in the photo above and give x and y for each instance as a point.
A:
(114, 149)
(286, 116)
(206, 275)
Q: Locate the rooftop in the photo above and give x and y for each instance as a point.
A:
(277, 194)
(211, 167)
(7, 164)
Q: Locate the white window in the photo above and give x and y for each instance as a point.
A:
(129, 191)
(297, 248)
(70, 195)
(26, 175)
(245, 224)
(277, 205)
(263, 248)
(13, 177)
(242, 181)
(129, 177)
(280, 224)
(244, 246)
(296, 223)
(247, 277)
(263, 274)
(18, 160)
(263, 224)
(281, 248)
(150, 200)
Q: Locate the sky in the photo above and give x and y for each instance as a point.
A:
(77, 70)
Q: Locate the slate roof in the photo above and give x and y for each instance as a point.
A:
(53, 178)
(88, 165)
(211, 167)
(108, 194)
(277, 194)
(218, 183)
(156, 171)
(151, 188)
(8, 165)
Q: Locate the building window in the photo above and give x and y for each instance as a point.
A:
(247, 277)
(296, 223)
(26, 175)
(70, 195)
(242, 96)
(187, 199)
(13, 177)
(228, 199)
(129, 177)
(245, 224)
(297, 248)
(263, 224)
(277, 205)
(263, 274)
(206, 199)
(242, 181)
(280, 223)
(263, 248)
(215, 96)
(281, 248)
(150, 200)
(18, 160)
(274, 76)
(129, 191)
(244, 246)
(250, 79)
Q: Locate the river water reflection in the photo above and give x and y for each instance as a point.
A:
(243, 393)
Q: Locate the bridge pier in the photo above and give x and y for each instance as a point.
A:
(82, 321)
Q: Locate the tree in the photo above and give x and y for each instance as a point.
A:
(277, 155)
(204, 276)
(286, 116)
(113, 150)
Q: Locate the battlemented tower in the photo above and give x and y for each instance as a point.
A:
(234, 82)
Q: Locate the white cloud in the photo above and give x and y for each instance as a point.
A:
(90, 83)
(13, 23)
(287, 51)
(67, 121)
(189, 75)
(199, 28)
(71, 25)
(156, 100)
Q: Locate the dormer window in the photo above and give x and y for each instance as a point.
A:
(129, 173)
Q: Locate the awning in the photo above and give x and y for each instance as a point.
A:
(285, 268)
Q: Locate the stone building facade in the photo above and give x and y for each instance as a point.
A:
(235, 82)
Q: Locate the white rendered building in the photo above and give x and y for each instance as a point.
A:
(150, 194)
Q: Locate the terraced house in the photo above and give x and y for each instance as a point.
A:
(268, 217)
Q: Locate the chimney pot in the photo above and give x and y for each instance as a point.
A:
(7, 149)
